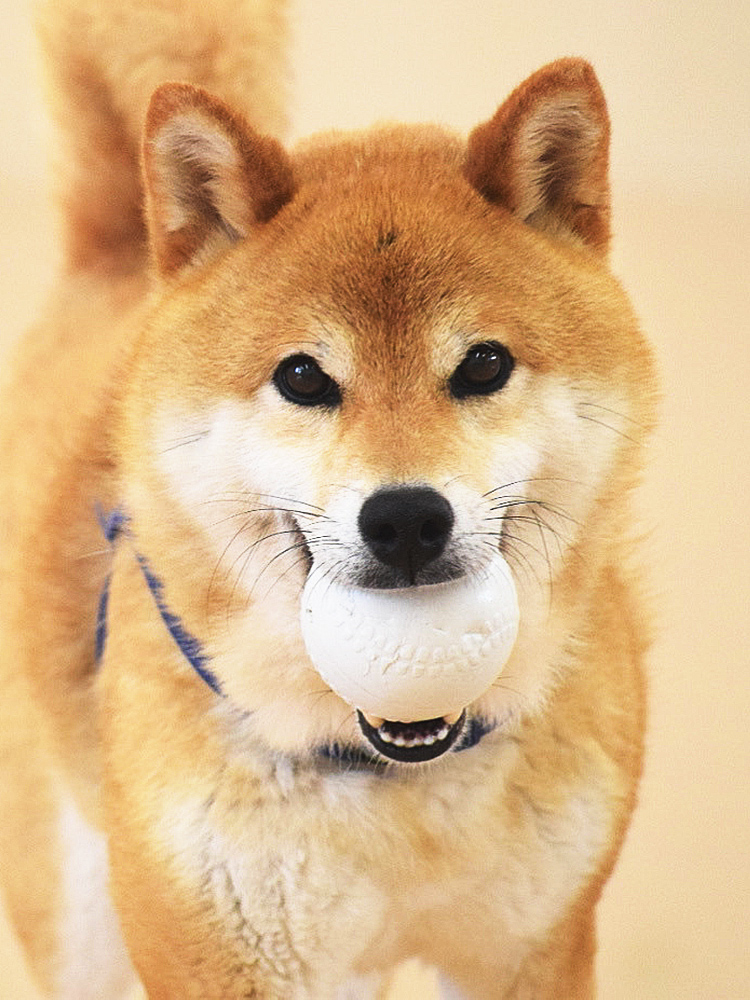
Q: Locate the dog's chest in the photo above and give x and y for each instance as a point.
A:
(403, 868)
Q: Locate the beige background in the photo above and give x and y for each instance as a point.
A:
(675, 921)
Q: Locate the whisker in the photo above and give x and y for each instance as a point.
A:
(514, 555)
(295, 504)
(248, 511)
(453, 479)
(533, 479)
(300, 546)
(95, 554)
(543, 504)
(532, 518)
(501, 686)
(609, 427)
(292, 500)
(623, 416)
(184, 442)
(298, 561)
(246, 555)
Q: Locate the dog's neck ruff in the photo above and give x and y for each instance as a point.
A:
(348, 756)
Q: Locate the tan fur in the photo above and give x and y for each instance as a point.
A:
(241, 862)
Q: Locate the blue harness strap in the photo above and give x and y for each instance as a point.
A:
(190, 647)
(111, 526)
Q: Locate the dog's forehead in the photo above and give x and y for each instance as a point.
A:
(394, 229)
(388, 260)
(394, 206)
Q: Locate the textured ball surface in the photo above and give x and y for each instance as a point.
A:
(414, 653)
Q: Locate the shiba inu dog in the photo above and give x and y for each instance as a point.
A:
(383, 361)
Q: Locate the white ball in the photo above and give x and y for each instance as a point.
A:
(415, 653)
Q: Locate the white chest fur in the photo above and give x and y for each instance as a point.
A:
(403, 866)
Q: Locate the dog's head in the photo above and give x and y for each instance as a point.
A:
(381, 362)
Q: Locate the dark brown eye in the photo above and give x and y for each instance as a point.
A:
(301, 380)
(485, 369)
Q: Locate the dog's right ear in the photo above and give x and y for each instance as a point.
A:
(209, 177)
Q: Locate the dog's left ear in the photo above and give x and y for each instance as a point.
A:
(545, 154)
(209, 178)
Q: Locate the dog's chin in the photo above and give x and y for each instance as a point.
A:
(412, 742)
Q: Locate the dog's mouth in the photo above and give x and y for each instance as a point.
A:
(406, 742)
(412, 742)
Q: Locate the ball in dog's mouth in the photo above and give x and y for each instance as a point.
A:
(411, 660)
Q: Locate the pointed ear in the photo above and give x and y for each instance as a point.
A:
(544, 156)
(209, 177)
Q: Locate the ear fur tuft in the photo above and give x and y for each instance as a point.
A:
(209, 177)
(545, 154)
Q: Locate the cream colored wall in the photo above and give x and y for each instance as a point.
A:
(675, 918)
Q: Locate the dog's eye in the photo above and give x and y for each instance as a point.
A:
(485, 368)
(301, 380)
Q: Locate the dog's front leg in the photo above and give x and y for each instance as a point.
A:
(560, 969)
(227, 874)
(207, 917)
(563, 971)
(208, 926)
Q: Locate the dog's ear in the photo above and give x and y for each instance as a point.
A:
(209, 177)
(544, 156)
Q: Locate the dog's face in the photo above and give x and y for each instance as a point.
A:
(383, 379)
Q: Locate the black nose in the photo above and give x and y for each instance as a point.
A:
(406, 527)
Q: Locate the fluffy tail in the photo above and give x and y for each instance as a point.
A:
(105, 58)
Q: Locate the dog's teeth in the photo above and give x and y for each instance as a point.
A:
(411, 740)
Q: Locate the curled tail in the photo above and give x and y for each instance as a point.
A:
(104, 59)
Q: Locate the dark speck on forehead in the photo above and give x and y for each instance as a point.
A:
(386, 239)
